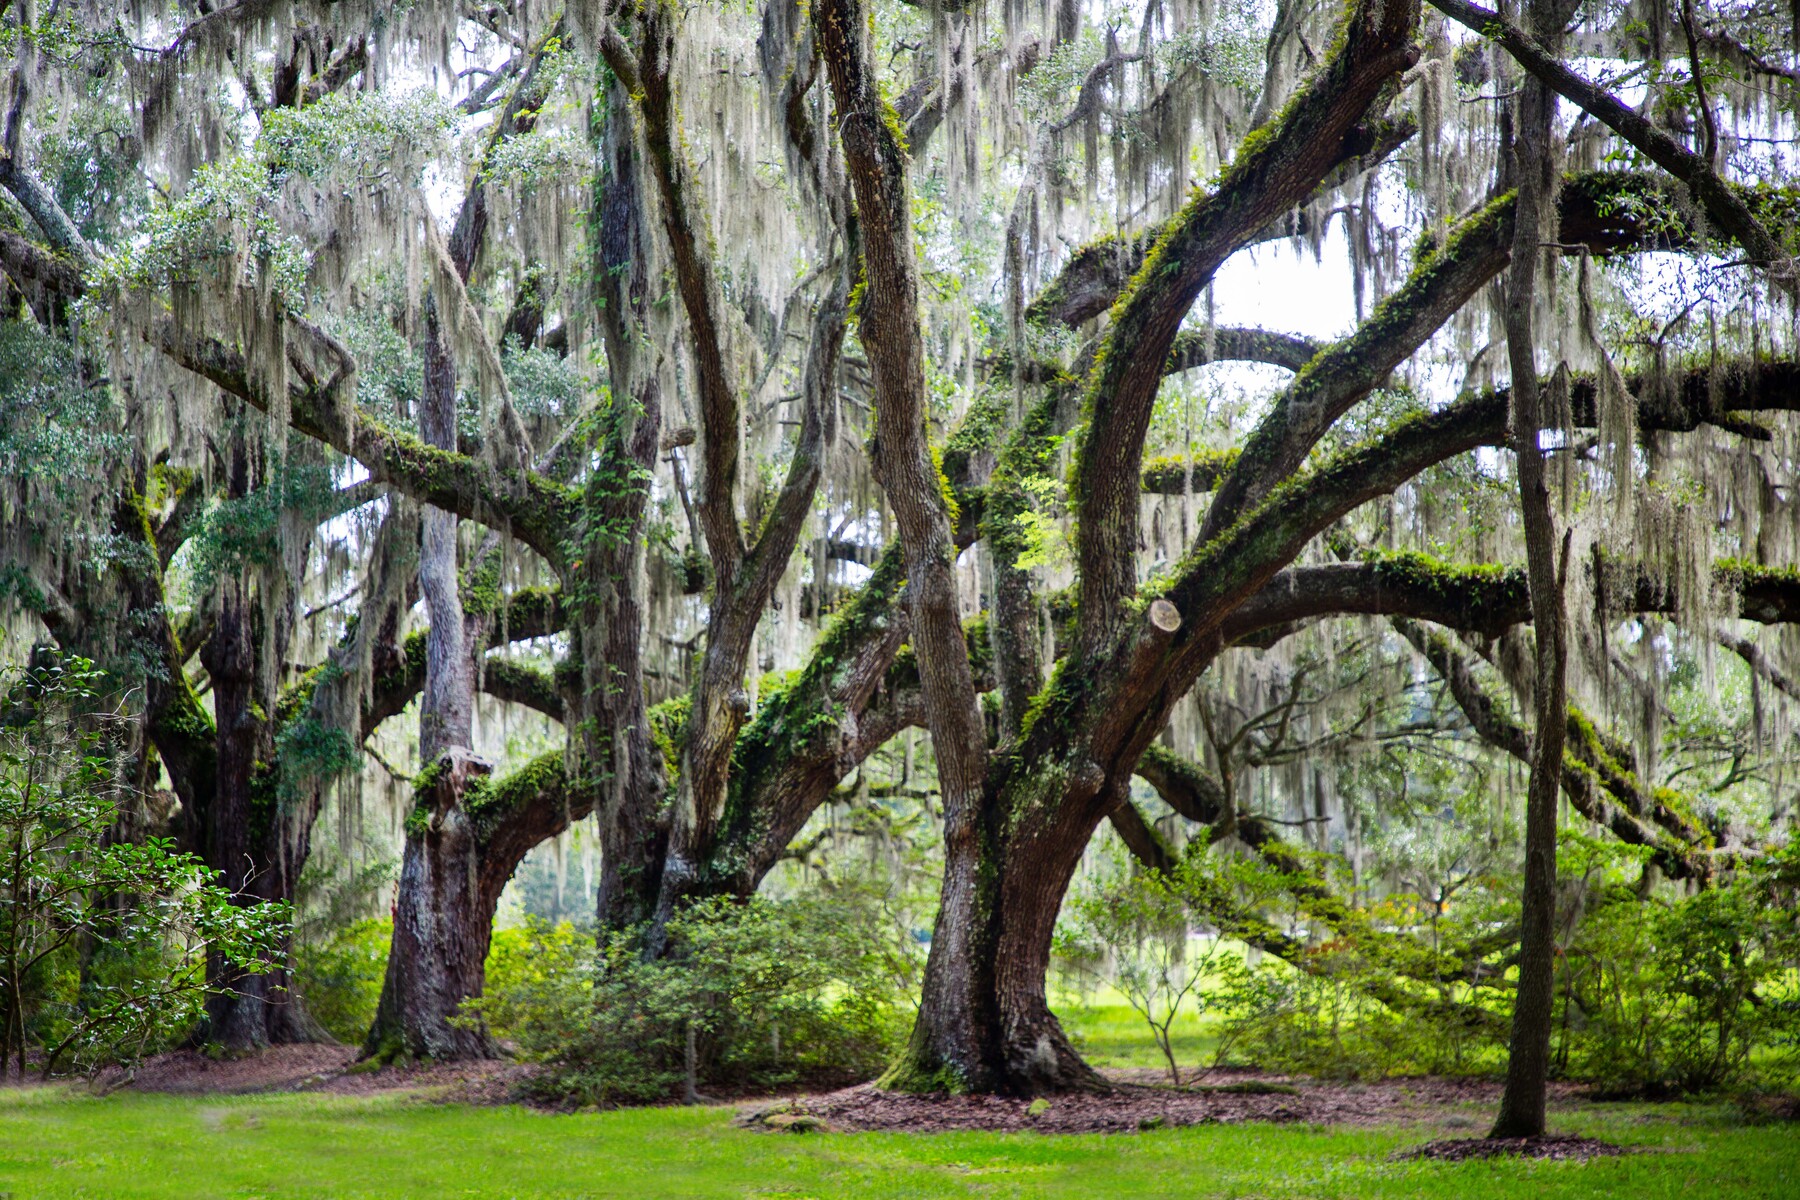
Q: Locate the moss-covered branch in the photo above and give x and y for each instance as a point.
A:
(1445, 274)
(535, 510)
(1275, 168)
(517, 683)
(1200, 798)
(1599, 786)
(1723, 203)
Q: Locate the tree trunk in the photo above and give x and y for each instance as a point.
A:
(244, 830)
(624, 766)
(243, 839)
(1528, 1062)
(984, 1022)
(443, 919)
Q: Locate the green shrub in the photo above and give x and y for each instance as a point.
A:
(1325, 1022)
(531, 970)
(1131, 929)
(1692, 994)
(338, 975)
(747, 996)
(104, 944)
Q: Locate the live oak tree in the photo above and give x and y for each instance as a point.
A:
(801, 375)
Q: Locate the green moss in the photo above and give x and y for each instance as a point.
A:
(425, 783)
(1028, 456)
(981, 429)
(1589, 753)
(185, 717)
(908, 1075)
(1469, 585)
(311, 752)
(480, 587)
(669, 729)
(1170, 473)
(1744, 572)
(488, 801)
(790, 720)
(1062, 701)
(947, 493)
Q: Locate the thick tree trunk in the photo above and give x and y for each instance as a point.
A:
(984, 1020)
(244, 828)
(954, 1040)
(243, 837)
(443, 919)
(623, 766)
(955, 1043)
(1528, 1062)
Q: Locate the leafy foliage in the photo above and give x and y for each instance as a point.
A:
(103, 943)
(1136, 930)
(1667, 996)
(752, 994)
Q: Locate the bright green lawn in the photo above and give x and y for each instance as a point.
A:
(1114, 1035)
(136, 1147)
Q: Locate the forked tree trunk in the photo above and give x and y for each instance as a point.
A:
(984, 1022)
(443, 920)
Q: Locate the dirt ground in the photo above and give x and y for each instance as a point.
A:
(1141, 1099)
(330, 1069)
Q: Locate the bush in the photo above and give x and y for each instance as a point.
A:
(338, 975)
(1662, 997)
(104, 944)
(1132, 929)
(532, 970)
(748, 995)
(1324, 1022)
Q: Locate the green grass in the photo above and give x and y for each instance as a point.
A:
(55, 1143)
(1115, 1035)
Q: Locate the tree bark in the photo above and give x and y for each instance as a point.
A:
(1534, 169)
(245, 832)
(442, 918)
(949, 1043)
(246, 837)
(619, 762)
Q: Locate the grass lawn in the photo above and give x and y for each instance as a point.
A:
(1113, 1034)
(55, 1143)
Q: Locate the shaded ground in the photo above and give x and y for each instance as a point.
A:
(1141, 1100)
(1551, 1147)
(1222, 1097)
(328, 1069)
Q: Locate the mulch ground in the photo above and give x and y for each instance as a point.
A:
(1550, 1147)
(1221, 1098)
(1140, 1100)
